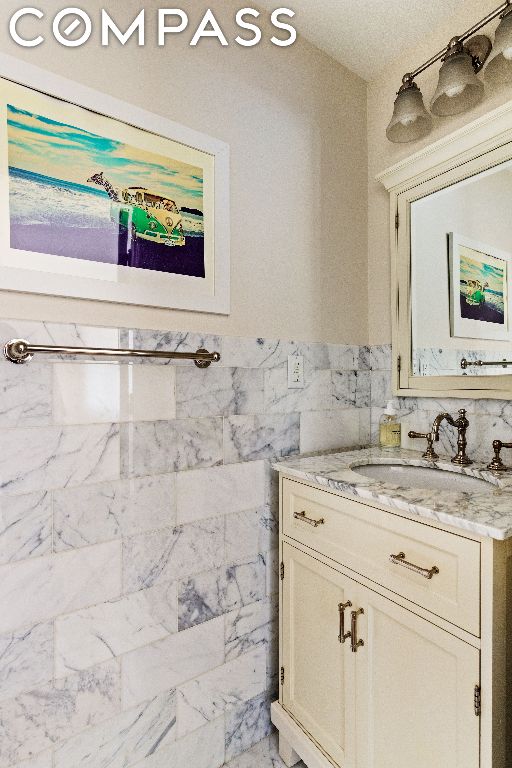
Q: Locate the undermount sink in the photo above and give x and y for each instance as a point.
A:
(423, 478)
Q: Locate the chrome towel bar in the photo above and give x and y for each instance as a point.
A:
(19, 351)
(467, 363)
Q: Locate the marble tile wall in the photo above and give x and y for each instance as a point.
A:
(138, 541)
(489, 419)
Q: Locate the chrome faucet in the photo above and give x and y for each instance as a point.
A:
(461, 424)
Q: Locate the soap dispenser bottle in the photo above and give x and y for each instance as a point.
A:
(390, 431)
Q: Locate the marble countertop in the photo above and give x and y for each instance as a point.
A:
(487, 513)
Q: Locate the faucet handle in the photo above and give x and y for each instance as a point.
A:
(429, 454)
(497, 464)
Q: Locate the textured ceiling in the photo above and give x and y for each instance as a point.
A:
(365, 36)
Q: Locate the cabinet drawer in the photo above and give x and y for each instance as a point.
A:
(364, 539)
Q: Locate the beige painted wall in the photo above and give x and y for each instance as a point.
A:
(382, 154)
(296, 123)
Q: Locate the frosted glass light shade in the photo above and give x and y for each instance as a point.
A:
(499, 67)
(410, 120)
(458, 88)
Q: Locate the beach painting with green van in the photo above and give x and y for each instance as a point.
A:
(77, 194)
(480, 295)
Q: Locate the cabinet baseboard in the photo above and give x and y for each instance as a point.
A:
(299, 740)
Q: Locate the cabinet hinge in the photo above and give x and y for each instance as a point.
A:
(397, 220)
(399, 364)
(478, 700)
(282, 675)
(281, 570)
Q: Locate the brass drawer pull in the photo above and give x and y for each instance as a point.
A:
(343, 635)
(309, 520)
(427, 573)
(355, 642)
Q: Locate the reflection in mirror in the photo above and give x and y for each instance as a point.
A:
(461, 266)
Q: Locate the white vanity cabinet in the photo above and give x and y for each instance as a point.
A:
(425, 684)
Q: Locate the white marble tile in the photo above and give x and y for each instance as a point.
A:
(25, 526)
(57, 457)
(95, 392)
(26, 659)
(364, 358)
(365, 426)
(43, 760)
(254, 353)
(62, 334)
(96, 513)
(149, 392)
(248, 438)
(269, 528)
(247, 724)
(244, 535)
(58, 583)
(172, 553)
(172, 661)
(170, 446)
(350, 389)
(202, 749)
(93, 635)
(86, 393)
(210, 594)
(125, 740)
(25, 394)
(205, 493)
(264, 755)
(218, 391)
(34, 721)
(381, 390)
(380, 357)
(343, 357)
(272, 566)
(324, 430)
(315, 396)
(171, 341)
(248, 627)
(207, 697)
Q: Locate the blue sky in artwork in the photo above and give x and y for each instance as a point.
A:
(41, 145)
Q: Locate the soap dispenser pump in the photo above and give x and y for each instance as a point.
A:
(390, 431)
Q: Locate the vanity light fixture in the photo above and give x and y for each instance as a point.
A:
(499, 67)
(458, 88)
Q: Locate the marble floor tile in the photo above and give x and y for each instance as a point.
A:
(265, 754)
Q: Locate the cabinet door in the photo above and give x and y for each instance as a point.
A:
(415, 691)
(318, 689)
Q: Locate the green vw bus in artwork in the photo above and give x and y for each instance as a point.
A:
(149, 216)
(145, 215)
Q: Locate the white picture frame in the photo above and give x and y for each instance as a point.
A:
(35, 272)
(471, 265)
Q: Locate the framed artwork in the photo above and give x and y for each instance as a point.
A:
(478, 290)
(102, 200)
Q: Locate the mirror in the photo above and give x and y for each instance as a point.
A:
(461, 277)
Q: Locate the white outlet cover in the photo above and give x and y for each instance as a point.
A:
(295, 372)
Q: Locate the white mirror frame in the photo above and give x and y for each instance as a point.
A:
(478, 146)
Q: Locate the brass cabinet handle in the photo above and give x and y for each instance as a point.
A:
(341, 608)
(309, 520)
(355, 642)
(427, 573)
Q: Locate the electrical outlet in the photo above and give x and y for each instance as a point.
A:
(295, 372)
